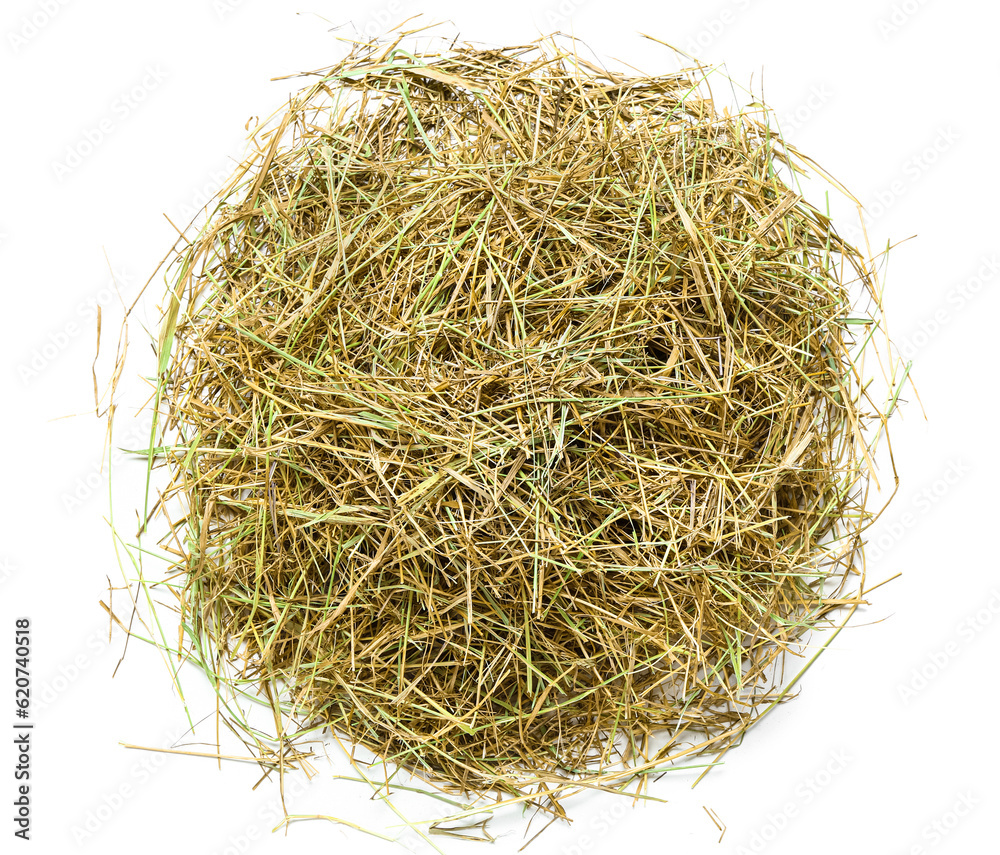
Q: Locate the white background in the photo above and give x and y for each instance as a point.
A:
(897, 100)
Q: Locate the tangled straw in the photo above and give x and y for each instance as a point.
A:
(515, 409)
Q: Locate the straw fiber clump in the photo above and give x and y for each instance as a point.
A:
(515, 417)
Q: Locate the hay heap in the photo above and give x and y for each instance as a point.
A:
(514, 408)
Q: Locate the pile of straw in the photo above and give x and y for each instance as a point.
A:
(515, 409)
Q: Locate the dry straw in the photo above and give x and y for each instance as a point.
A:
(517, 413)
